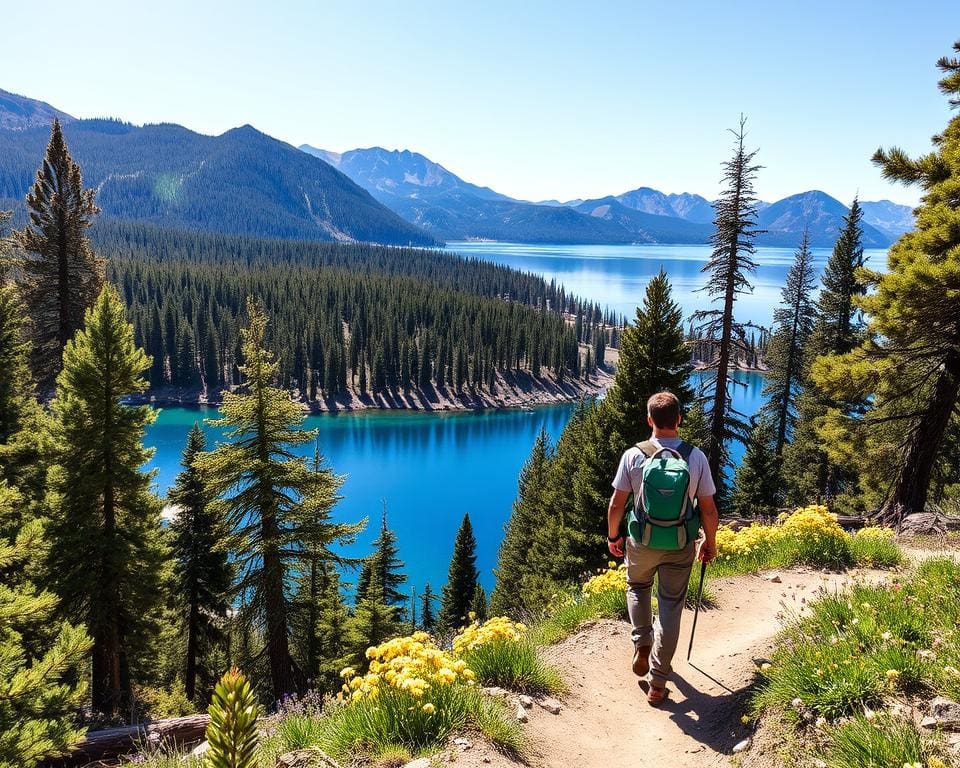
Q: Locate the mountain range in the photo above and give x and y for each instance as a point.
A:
(241, 182)
(246, 182)
(433, 197)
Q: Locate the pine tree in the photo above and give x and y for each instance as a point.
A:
(729, 268)
(478, 604)
(42, 659)
(385, 567)
(910, 362)
(653, 358)
(374, 621)
(808, 472)
(428, 619)
(756, 484)
(106, 553)
(508, 596)
(271, 499)
(318, 612)
(22, 462)
(203, 573)
(62, 275)
(462, 580)
(793, 323)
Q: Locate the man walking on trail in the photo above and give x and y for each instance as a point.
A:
(673, 497)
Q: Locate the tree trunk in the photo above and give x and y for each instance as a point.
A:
(913, 481)
(190, 673)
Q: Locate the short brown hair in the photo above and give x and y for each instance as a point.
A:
(664, 409)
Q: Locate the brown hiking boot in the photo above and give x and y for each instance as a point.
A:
(641, 660)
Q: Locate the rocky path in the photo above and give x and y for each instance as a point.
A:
(605, 719)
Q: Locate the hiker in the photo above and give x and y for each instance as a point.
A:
(673, 496)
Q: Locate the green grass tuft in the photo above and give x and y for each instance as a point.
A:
(514, 665)
(861, 743)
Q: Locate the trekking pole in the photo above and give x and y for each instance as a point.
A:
(696, 609)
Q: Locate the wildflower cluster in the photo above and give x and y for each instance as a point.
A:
(875, 533)
(814, 522)
(476, 634)
(755, 539)
(613, 578)
(413, 664)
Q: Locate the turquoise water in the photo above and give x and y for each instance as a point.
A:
(617, 275)
(430, 469)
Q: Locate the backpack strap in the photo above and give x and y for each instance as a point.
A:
(648, 448)
(685, 449)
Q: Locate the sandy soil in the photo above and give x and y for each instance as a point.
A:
(605, 717)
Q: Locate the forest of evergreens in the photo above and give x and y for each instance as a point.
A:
(370, 318)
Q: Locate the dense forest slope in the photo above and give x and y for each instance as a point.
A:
(345, 319)
(242, 182)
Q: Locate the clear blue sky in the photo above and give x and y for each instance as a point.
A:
(536, 99)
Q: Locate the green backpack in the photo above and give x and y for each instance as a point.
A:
(664, 517)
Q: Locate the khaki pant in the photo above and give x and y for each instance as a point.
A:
(672, 569)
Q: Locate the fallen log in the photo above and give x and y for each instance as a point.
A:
(111, 743)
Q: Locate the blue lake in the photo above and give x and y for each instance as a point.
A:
(616, 276)
(430, 469)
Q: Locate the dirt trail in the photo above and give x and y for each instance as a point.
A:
(605, 718)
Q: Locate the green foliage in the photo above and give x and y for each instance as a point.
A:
(909, 363)
(232, 730)
(274, 505)
(653, 358)
(757, 484)
(376, 302)
(478, 604)
(395, 718)
(202, 570)
(427, 617)
(855, 648)
(385, 567)
(373, 621)
(793, 323)
(514, 665)
(462, 580)
(62, 276)
(21, 428)
(160, 702)
(509, 596)
(871, 552)
(808, 472)
(571, 609)
(42, 659)
(863, 743)
(729, 269)
(107, 559)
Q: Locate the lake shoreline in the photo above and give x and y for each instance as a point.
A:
(513, 391)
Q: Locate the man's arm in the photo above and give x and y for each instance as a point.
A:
(709, 521)
(615, 510)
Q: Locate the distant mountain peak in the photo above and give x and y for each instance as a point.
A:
(18, 113)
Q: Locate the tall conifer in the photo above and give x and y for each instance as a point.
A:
(757, 488)
(106, 554)
(62, 274)
(729, 269)
(203, 573)
(793, 321)
(909, 365)
(270, 497)
(462, 580)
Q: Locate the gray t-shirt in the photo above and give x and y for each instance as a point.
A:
(631, 469)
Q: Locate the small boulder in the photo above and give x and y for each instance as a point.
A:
(200, 750)
(521, 713)
(494, 690)
(742, 746)
(551, 705)
(306, 758)
(462, 744)
(526, 702)
(773, 578)
(928, 722)
(945, 709)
